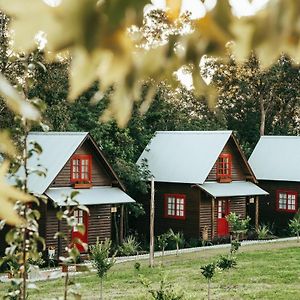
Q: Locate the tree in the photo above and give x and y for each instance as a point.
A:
(257, 101)
(208, 271)
(177, 238)
(101, 261)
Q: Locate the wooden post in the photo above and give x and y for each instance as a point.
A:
(121, 223)
(212, 217)
(256, 212)
(151, 256)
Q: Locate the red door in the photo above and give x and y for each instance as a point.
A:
(223, 211)
(81, 217)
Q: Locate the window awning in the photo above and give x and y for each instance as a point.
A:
(92, 196)
(232, 189)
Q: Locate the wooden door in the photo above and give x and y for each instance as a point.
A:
(223, 211)
(81, 217)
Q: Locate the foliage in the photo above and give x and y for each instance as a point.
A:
(234, 247)
(162, 242)
(165, 291)
(177, 238)
(226, 262)
(208, 270)
(137, 266)
(255, 100)
(237, 225)
(294, 225)
(130, 246)
(262, 231)
(101, 260)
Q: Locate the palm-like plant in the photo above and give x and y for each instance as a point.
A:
(177, 238)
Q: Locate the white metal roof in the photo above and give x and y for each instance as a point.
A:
(183, 156)
(92, 196)
(276, 158)
(57, 149)
(232, 189)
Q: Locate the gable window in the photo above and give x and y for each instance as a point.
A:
(174, 206)
(81, 168)
(223, 167)
(286, 201)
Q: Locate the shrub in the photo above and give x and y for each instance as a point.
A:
(130, 246)
(177, 238)
(294, 225)
(262, 232)
(165, 291)
(226, 262)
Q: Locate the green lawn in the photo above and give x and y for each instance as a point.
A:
(269, 271)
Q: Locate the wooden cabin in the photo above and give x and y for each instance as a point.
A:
(74, 162)
(275, 162)
(200, 177)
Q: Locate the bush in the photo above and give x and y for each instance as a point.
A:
(130, 246)
(262, 232)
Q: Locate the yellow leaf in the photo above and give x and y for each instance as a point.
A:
(8, 195)
(173, 9)
(15, 102)
(6, 144)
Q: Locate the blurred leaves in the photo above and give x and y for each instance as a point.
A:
(15, 101)
(113, 43)
(8, 196)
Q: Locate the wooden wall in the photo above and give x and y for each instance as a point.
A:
(236, 205)
(189, 226)
(267, 204)
(239, 171)
(99, 226)
(100, 175)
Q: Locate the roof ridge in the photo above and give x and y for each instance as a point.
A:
(194, 132)
(58, 133)
(280, 136)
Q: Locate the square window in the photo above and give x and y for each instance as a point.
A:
(174, 206)
(81, 168)
(286, 201)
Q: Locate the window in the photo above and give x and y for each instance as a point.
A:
(224, 167)
(81, 168)
(78, 215)
(175, 206)
(286, 201)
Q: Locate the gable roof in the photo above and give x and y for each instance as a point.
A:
(183, 156)
(276, 158)
(57, 147)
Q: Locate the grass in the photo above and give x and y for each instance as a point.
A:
(265, 271)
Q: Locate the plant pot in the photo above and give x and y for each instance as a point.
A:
(82, 185)
(64, 268)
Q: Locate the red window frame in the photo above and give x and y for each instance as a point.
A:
(288, 193)
(81, 158)
(178, 208)
(224, 166)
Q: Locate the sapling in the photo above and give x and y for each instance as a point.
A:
(208, 271)
(101, 260)
(177, 238)
(226, 262)
(162, 241)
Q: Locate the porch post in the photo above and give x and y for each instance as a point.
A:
(151, 254)
(212, 217)
(256, 212)
(121, 223)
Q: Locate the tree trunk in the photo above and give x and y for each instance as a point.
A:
(151, 227)
(177, 249)
(116, 229)
(66, 285)
(101, 288)
(297, 237)
(262, 118)
(208, 289)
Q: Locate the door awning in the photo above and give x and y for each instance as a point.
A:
(232, 189)
(92, 196)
